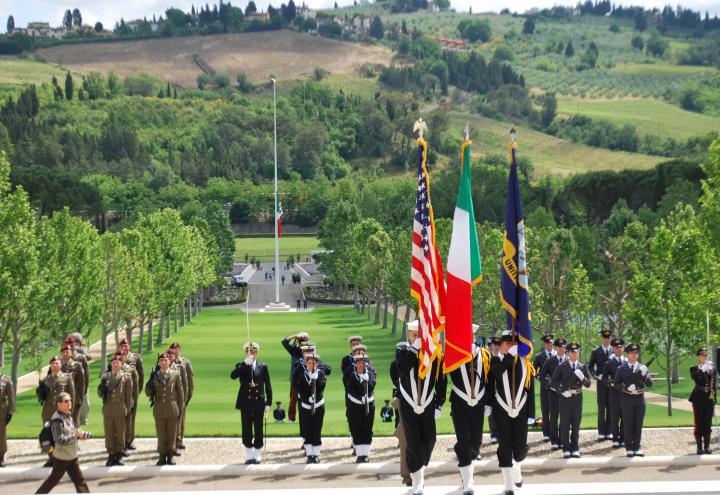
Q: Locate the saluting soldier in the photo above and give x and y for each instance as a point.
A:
(83, 359)
(55, 383)
(347, 360)
(133, 361)
(631, 379)
(75, 370)
(494, 345)
(189, 377)
(292, 344)
(546, 374)
(512, 413)
(7, 409)
(596, 364)
(608, 376)
(538, 362)
(359, 379)
(421, 400)
(166, 394)
(569, 379)
(703, 400)
(116, 391)
(399, 429)
(469, 404)
(253, 400)
(309, 381)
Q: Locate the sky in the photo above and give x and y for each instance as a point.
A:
(110, 11)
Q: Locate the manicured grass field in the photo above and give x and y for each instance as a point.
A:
(649, 116)
(263, 248)
(213, 342)
(549, 154)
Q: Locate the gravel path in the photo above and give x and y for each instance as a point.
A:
(660, 441)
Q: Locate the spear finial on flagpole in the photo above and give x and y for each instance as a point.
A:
(467, 131)
(420, 127)
(513, 135)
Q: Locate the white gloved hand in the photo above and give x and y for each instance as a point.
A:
(437, 412)
(365, 377)
(417, 344)
(599, 377)
(643, 370)
(314, 375)
(267, 409)
(631, 387)
(531, 421)
(303, 336)
(580, 374)
(704, 367)
(513, 350)
(567, 394)
(249, 361)
(488, 411)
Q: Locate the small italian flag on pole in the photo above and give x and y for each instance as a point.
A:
(278, 214)
(464, 270)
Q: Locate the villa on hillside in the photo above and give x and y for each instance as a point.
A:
(42, 29)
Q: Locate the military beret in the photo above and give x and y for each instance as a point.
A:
(702, 352)
(117, 357)
(123, 342)
(355, 337)
(547, 338)
(65, 348)
(573, 347)
(69, 340)
(606, 334)
(560, 342)
(163, 355)
(617, 342)
(632, 348)
(54, 358)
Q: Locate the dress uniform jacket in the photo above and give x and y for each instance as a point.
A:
(565, 381)
(546, 374)
(418, 400)
(599, 356)
(50, 387)
(608, 377)
(255, 393)
(116, 390)
(189, 381)
(168, 394)
(538, 363)
(703, 400)
(511, 423)
(360, 403)
(468, 399)
(76, 371)
(311, 402)
(7, 409)
(631, 383)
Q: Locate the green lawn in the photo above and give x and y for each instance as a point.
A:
(263, 248)
(15, 70)
(549, 154)
(649, 116)
(213, 342)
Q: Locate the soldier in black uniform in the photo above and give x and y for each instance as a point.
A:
(568, 379)
(253, 401)
(494, 351)
(511, 414)
(420, 403)
(538, 362)
(309, 381)
(359, 379)
(292, 344)
(608, 376)
(347, 360)
(703, 400)
(631, 379)
(469, 404)
(546, 374)
(595, 365)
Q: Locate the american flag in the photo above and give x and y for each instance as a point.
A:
(427, 280)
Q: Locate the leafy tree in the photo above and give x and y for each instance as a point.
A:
(503, 53)
(569, 49)
(291, 11)
(114, 85)
(476, 31)
(377, 30)
(529, 26)
(176, 18)
(69, 86)
(244, 85)
(220, 80)
(330, 30)
(76, 18)
(10, 24)
(309, 24)
(251, 8)
(656, 45)
(637, 42)
(640, 21)
(94, 85)
(99, 28)
(68, 19)
(549, 109)
(203, 80)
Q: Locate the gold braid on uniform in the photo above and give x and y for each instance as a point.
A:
(531, 371)
(485, 362)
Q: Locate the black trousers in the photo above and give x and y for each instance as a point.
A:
(311, 425)
(616, 422)
(553, 417)
(512, 436)
(633, 414)
(419, 435)
(702, 414)
(468, 422)
(570, 416)
(492, 426)
(603, 404)
(361, 424)
(72, 468)
(545, 410)
(252, 416)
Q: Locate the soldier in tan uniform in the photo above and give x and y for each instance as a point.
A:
(189, 378)
(7, 409)
(132, 360)
(166, 394)
(116, 391)
(55, 383)
(83, 359)
(73, 368)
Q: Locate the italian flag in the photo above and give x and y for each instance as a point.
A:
(464, 270)
(278, 214)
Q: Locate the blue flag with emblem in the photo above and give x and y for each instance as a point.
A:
(514, 276)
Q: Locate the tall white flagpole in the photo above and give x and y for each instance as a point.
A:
(275, 203)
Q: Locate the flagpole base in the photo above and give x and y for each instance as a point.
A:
(276, 307)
